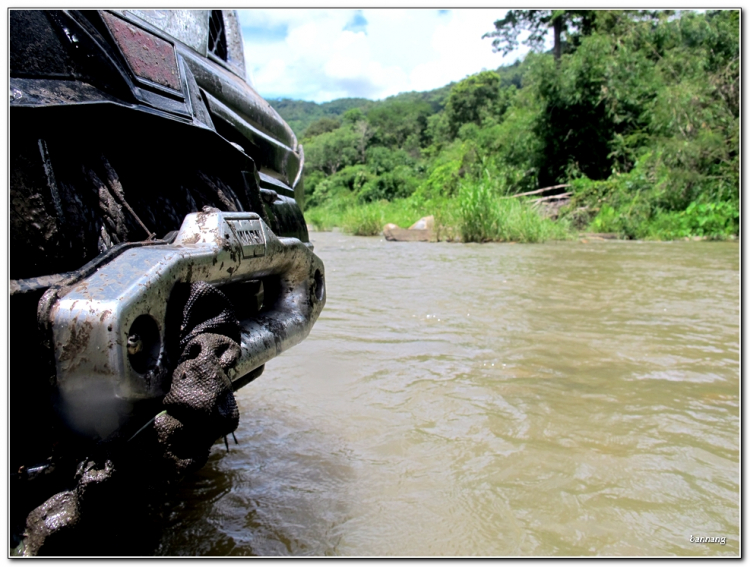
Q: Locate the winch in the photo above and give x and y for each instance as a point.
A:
(110, 331)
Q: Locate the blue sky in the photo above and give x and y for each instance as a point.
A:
(325, 54)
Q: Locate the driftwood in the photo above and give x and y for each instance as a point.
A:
(599, 235)
(552, 198)
(538, 191)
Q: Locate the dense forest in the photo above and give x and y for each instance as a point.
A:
(632, 118)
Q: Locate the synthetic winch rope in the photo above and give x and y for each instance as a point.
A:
(198, 409)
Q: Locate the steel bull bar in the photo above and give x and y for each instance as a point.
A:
(108, 330)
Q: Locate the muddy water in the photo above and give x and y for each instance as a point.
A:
(498, 399)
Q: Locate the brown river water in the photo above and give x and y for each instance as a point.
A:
(560, 399)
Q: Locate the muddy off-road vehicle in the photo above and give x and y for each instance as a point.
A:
(158, 259)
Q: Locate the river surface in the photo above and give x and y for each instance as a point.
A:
(562, 399)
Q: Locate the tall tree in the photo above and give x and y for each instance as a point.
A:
(474, 99)
(538, 23)
(395, 120)
(321, 126)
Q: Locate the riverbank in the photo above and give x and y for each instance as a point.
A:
(474, 216)
(477, 215)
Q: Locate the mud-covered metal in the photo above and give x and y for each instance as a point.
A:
(108, 153)
(188, 26)
(235, 47)
(150, 57)
(73, 57)
(120, 311)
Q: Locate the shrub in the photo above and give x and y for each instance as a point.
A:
(365, 220)
(483, 217)
(391, 185)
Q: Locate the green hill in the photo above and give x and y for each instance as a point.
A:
(299, 114)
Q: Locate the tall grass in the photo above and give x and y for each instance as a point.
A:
(483, 217)
(322, 219)
(363, 220)
(367, 219)
(476, 214)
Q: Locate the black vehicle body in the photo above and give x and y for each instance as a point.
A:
(122, 122)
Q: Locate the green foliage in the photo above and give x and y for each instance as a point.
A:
(537, 23)
(321, 126)
(573, 126)
(711, 220)
(353, 115)
(511, 75)
(299, 114)
(382, 159)
(365, 220)
(390, 185)
(343, 186)
(639, 114)
(395, 121)
(322, 219)
(475, 100)
(512, 148)
(443, 180)
(333, 150)
(483, 217)
(636, 205)
(312, 180)
(715, 220)
(478, 212)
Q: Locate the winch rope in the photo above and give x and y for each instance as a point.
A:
(198, 409)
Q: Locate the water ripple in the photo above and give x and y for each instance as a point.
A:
(493, 400)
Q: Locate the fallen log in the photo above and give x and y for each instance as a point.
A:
(599, 235)
(552, 198)
(537, 191)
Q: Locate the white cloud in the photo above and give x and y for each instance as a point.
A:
(307, 54)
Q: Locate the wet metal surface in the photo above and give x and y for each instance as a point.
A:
(95, 325)
(150, 57)
(189, 26)
(558, 399)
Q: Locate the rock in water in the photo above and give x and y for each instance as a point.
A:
(425, 223)
(420, 231)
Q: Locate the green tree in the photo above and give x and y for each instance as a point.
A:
(537, 23)
(639, 113)
(331, 151)
(321, 126)
(476, 99)
(353, 115)
(394, 121)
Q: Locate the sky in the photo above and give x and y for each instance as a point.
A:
(324, 54)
